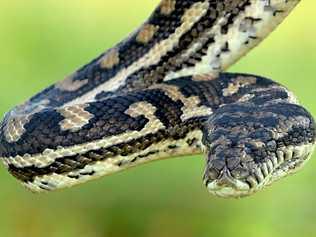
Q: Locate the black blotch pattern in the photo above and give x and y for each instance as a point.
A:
(111, 119)
(172, 60)
(79, 161)
(129, 51)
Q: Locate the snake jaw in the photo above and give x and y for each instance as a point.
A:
(242, 182)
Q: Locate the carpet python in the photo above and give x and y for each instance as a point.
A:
(162, 93)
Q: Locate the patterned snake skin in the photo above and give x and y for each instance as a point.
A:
(162, 93)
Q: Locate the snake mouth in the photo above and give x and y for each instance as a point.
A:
(285, 163)
(228, 186)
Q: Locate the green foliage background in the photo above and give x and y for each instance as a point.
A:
(42, 41)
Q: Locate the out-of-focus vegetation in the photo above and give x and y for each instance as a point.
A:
(42, 41)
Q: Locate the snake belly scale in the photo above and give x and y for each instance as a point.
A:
(162, 93)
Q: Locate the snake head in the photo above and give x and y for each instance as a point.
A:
(249, 146)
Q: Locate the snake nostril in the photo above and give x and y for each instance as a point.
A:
(240, 173)
(212, 173)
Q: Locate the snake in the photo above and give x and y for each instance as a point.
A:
(164, 92)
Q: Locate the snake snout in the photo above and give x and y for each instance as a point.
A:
(225, 175)
(226, 185)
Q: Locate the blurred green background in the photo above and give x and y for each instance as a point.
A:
(42, 41)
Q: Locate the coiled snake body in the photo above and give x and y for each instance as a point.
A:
(161, 93)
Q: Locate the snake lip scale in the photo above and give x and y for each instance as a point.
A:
(163, 92)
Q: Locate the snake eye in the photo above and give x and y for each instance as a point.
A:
(206, 138)
(272, 146)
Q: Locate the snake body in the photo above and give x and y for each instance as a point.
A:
(162, 93)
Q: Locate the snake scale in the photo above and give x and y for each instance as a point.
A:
(160, 93)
